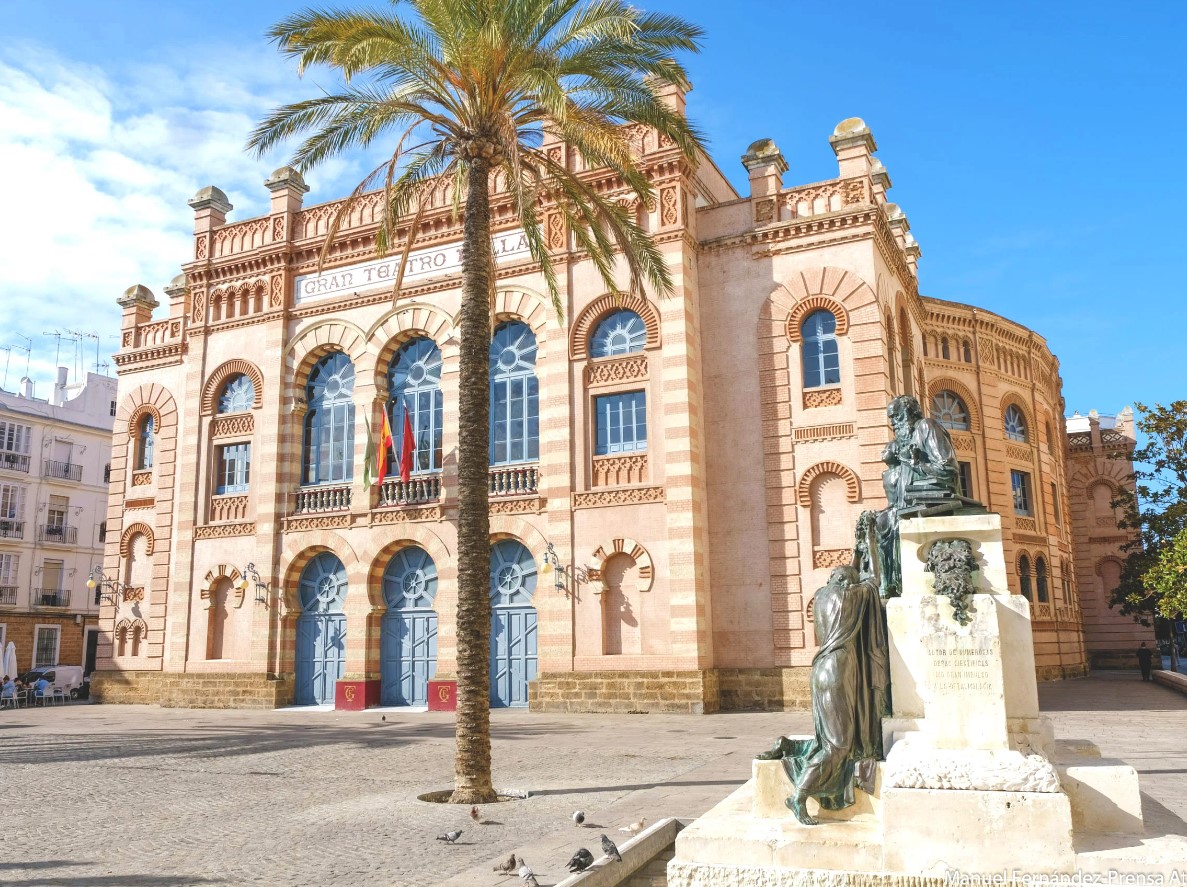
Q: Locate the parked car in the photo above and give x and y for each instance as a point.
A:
(67, 678)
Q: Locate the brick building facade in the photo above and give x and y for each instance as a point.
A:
(1099, 468)
(696, 463)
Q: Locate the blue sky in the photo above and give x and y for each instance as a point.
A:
(1035, 147)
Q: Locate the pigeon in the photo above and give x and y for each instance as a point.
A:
(383, 717)
(450, 837)
(475, 815)
(578, 817)
(507, 867)
(527, 875)
(635, 827)
(581, 860)
(610, 850)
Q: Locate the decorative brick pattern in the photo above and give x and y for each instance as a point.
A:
(627, 496)
(585, 322)
(828, 558)
(618, 471)
(823, 432)
(240, 425)
(822, 397)
(214, 384)
(611, 370)
(852, 483)
(225, 531)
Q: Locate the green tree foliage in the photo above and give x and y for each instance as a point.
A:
(469, 92)
(1156, 512)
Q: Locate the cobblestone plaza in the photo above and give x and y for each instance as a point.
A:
(138, 795)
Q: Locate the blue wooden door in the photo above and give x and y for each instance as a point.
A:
(408, 640)
(321, 630)
(513, 645)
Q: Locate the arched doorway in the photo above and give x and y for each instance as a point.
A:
(321, 630)
(513, 623)
(408, 639)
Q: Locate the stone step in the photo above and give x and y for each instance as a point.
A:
(639, 857)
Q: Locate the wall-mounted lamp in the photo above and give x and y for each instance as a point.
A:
(563, 575)
(262, 589)
(109, 589)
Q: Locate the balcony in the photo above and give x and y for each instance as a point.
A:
(12, 529)
(57, 535)
(51, 597)
(14, 462)
(319, 500)
(418, 490)
(514, 480)
(7, 595)
(61, 470)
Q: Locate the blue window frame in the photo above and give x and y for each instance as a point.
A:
(621, 423)
(329, 424)
(822, 364)
(514, 395)
(1020, 484)
(238, 395)
(234, 468)
(1015, 424)
(146, 442)
(620, 332)
(414, 380)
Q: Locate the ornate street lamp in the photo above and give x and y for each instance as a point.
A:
(110, 590)
(262, 589)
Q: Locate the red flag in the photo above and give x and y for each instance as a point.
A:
(385, 442)
(408, 447)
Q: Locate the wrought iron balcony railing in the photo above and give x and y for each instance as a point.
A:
(14, 462)
(51, 597)
(12, 529)
(61, 470)
(58, 533)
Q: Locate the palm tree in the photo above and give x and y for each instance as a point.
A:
(467, 90)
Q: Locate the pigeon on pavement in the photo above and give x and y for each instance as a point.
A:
(507, 867)
(581, 860)
(527, 875)
(578, 817)
(475, 815)
(635, 827)
(610, 850)
(450, 837)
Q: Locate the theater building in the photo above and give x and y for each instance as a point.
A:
(695, 462)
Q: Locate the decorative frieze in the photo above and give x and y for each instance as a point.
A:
(224, 531)
(142, 478)
(145, 502)
(827, 558)
(228, 508)
(822, 397)
(1018, 454)
(236, 425)
(619, 471)
(617, 369)
(322, 522)
(133, 595)
(963, 442)
(407, 515)
(823, 432)
(531, 505)
(1024, 524)
(624, 496)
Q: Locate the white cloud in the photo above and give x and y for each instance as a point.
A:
(99, 166)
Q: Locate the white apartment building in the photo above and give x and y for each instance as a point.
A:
(55, 458)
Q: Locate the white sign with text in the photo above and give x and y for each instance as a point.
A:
(422, 264)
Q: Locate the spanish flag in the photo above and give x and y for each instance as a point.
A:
(407, 448)
(385, 443)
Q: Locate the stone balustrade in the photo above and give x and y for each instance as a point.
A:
(514, 480)
(418, 489)
(315, 500)
(228, 508)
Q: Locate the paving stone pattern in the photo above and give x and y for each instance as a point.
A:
(98, 796)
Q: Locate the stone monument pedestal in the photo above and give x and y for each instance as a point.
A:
(974, 783)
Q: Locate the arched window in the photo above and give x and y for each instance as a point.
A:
(410, 580)
(514, 395)
(238, 396)
(1050, 439)
(822, 364)
(145, 441)
(512, 574)
(323, 585)
(944, 352)
(968, 351)
(620, 332)
(950, 411)
(1024, 576)
(414, 380)
(1041, 580)
(1015, 424)
(329, 424)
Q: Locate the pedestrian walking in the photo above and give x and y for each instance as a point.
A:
(1145, 660)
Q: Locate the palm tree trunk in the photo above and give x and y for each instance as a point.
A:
(472, 773)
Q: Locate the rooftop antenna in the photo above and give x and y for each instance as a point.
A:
(57, 334)
(76, 337)
(94, 336)
(7, 361)
(28, 349)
